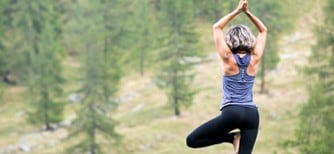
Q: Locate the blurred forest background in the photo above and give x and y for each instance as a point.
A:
(136, 76)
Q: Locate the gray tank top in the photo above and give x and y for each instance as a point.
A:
(238, 89)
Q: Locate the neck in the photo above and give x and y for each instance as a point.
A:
(242, 52)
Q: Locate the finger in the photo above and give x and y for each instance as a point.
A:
(245, 3)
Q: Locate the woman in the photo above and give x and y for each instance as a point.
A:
(241, 53)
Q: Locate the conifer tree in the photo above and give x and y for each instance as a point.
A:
(315, 131)
(4, 5)
(101, 30)
(179, 44)
(144, 33)
(38, 35)
(212, 10)
(7, 56)
(274, 20)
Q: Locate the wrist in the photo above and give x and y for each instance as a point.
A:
(236, 11)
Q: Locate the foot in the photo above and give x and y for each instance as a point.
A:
(236, 142)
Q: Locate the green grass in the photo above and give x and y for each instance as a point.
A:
(153, 129)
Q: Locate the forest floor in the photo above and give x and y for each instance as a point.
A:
(148, 124)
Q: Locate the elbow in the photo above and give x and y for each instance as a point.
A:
(215, 26)
(264, 30)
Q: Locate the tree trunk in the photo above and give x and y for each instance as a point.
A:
(176, 105)
(156, 4)
(93, 131)
(263, 76)
(141, 63)
(175, 94)
(46, 109)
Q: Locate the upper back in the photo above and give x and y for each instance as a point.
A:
(233, 64)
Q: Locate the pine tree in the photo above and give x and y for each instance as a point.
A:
(143, 36)
(276, 23)
(4, 5)
(213, 10)
(7, 56)
(315, 131)
(38, 36)
(179, 45)
(4, 26)
(101, 30)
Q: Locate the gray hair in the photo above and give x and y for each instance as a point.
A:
(240, 38)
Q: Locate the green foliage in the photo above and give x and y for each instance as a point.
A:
(4, 28)
(143, 32)
(314, 134)
(271, 13)
(276, 22)
(179, 42)
(213, 10)
(100, 61)
(27, 23)
(38, 39)
(36, 35)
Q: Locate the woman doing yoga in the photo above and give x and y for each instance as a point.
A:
(240, 53)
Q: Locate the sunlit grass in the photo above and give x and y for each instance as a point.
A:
(146, 121)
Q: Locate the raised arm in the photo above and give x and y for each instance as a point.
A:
(222, 48)
(262, 36)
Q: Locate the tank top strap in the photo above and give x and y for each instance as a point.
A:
(242, 61)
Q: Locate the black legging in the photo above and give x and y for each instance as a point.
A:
(217, 130)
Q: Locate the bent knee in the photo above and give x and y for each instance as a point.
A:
(191, 142)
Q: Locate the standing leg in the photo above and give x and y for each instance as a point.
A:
(249, 130)
(247, 141)
(236, 142)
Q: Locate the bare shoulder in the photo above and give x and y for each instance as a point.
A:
(253, 65)
(256, 57)
(230, 66)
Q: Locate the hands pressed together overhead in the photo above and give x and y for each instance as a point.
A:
(243, 6)
(220, 42)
